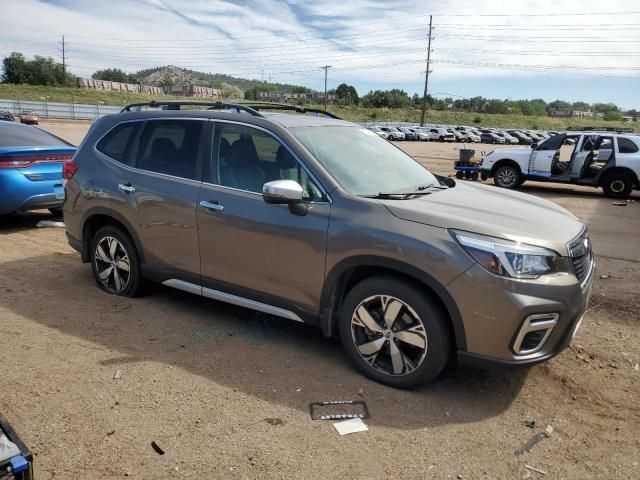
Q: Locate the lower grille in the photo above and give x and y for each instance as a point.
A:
(581, 255)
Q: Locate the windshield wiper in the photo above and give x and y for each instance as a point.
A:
(396, 195)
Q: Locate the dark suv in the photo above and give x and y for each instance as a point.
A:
(321, 221)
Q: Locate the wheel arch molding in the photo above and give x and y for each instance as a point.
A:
(97, 217)
(505, 161)
(348, 272)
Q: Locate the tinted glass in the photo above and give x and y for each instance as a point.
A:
(553, 143)
(16, 135)
(170, 147)
(362, 162)
(247, 158)
(626, 146)
(117, 143)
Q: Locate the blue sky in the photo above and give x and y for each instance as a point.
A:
(567, 49)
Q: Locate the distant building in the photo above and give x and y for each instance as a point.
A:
(576, 114)
(293, 97)
(193, 91)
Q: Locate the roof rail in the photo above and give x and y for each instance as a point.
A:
(286, 106)
(601, 129)
(176, 104)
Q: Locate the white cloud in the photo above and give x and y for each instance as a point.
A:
(291, 40)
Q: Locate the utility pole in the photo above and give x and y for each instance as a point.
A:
(262, 71)
(64, 65)
(325, 68)
(426, 77)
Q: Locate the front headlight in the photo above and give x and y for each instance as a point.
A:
(510, 259)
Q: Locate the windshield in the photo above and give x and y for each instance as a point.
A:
(362, 162)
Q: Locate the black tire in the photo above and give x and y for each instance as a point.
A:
(56, 212)
(507, 176)
(483, 176)
(429, 325)
(618, 185)
(441, 139)
(459, 174)
(124, 252)
(474, 176)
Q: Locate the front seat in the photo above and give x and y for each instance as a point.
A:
(243, 170)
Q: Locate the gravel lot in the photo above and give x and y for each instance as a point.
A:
(199, 377)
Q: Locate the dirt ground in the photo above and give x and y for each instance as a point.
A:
(200, 377)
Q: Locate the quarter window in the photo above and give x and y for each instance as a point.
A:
(170, 147)
(246, 158)
(626, 145)
(117, 143)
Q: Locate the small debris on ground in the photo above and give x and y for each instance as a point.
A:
(530, 423)
(620, 204)
(110, 432)
(361, 392)
(533, 469)
(117, 375)
(158, 450)
(535, 439)
(274, 421)
(49, 223)
(605, 276)
(636, 366)
(299, 389)
(353, 425)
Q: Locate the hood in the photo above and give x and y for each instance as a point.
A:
(493, 211)
(508, 150)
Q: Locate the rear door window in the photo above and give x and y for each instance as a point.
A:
(118, 142)
(171, 147)
(626, 145)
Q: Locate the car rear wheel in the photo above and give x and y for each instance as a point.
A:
(506, 176)
(115, 263)
(393, 333)
(618, 185)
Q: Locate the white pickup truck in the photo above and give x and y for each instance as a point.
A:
(606, 159)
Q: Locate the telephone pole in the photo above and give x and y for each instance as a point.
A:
(64, 65)
(325, 68)
(426, 77)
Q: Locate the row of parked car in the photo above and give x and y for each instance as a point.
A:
(461, 134)
(26, 117)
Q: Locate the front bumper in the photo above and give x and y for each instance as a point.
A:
(494, 310)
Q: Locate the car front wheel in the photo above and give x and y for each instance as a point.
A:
(115, 263)
(506, 176)
(393, 333)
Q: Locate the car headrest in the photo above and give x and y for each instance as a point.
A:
(242, 154)
(284, 159)
(225, 146)
(163, 148)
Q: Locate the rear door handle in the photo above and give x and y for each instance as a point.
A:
(126, 187)
(212, 206)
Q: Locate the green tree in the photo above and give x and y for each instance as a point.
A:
(39, 71)
(347, 94)
(114, 75)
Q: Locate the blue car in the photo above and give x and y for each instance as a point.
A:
(31, 162)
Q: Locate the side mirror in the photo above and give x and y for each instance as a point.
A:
(534, 146)
(285, 192)
(282, 192)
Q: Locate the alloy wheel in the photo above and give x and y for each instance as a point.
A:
(389, 335)
(507, 177)
(112, 264)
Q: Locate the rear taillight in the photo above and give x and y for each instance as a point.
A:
(22, 161)
(68, 170)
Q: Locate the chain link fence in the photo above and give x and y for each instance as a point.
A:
(70, 111)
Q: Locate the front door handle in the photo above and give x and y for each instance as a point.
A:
(212, 206)
(126, 187)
